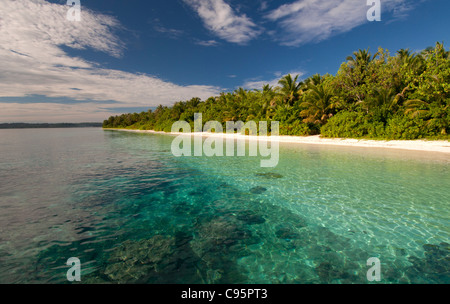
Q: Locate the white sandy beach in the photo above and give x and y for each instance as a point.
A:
(417, 145)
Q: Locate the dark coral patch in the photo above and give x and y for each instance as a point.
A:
(258, 190)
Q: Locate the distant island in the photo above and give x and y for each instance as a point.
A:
(21, 125)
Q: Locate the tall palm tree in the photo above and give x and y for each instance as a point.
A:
(290, 89)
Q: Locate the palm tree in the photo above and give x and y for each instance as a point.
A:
(265, 105)
(267, 89)
(361, 59)
(404, 55)
(410, 60)
(177, 109)
(232, 108)
(412, 64)
(159, 111)
(319, 106)
(417, 108)
(421, 109)
(241, 95)
(314, 80)
(290, 89)
(439, 49)
(381, 97)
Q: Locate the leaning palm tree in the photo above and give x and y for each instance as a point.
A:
(290, 89)
(417, 108)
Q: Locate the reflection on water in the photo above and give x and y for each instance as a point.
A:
(133, 213)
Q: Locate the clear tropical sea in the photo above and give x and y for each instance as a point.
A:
(133, 213)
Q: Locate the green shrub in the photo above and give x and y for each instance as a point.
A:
(353, 124)
(295, 128)
(402, 127)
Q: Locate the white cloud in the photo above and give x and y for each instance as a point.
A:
(33, 63)
(258, 84)
(207, 43)
(304, 21)
(219, 18)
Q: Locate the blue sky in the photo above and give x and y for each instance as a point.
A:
(126, 56)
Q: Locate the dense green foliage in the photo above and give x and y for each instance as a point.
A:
(406, 96)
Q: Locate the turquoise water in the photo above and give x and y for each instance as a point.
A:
(133, 213)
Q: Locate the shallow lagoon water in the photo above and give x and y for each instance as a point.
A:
(133, 213)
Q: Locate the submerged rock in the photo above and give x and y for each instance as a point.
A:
(185, 208)
(278, 214)
(328, 272)
(197, 192)
(158, 260)
(435, 267)
(219, 234)
(129, 272)
(137, 261)
(223, 186)
(258, 190)
(250, 218)
(286, 233)
(219, 242)
(445, 246)
(269, 175)
(400, 251)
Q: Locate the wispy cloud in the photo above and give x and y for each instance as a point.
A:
(305, 21)
(263, 6)
(171, 33)
(223, 21)
(32, 33)
(207, 42)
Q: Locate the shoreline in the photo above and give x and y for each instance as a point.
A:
(442, 146)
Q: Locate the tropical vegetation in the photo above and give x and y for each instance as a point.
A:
(380, 96)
